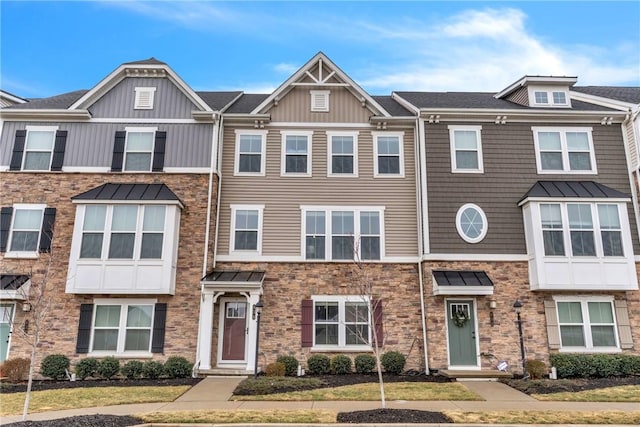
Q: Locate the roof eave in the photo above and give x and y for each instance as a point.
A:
(526, 80)
(519, 114)
(603, 101)
(46, 114)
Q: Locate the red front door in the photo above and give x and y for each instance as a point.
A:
(235, 331)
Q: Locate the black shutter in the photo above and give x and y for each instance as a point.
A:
(58, 150)
(118, 151)
(307, 323)
(158, 151)
(18, 150)
(84, 328)
(47, 229)
(159, 322)
(5, 225)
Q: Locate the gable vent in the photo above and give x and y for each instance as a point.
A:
(320, 100)
(144, 98)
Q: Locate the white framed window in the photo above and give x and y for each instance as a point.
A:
(250, 153)
(341, 321)
(471, 223)
(582, 229)
(388, 154)
(342, 233)
(320, 100)
(564, 150)
(296, 153)
(25, 230)
(466, 149)
(38, 148)
(246, 228)
(138, 151)
(122, 326)
(548, 97)
(144, 98)
(342, 154)
(115, 232)
(587, 324)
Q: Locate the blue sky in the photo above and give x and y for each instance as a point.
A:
(48, 48)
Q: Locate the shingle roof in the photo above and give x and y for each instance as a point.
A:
(462, 278)
(150, 61)
(235, 276)
(619, 93)
(392, 106)
(12, 282)
(586, 189)
(218, 100)
(247, 103)
(58, 102)
(134, 192)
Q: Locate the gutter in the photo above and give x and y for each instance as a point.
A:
(212, 169)
(219, 159)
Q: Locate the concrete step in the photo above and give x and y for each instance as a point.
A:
(224, 372)
(470, 375)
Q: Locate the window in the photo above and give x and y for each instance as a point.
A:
(541, 97)
(471, 223)
(466, 149)
(581, 230)
(550, 98)
(610, 230)
(320, 100)
(587, 324)
(342, 154)
(132, 232)
(144, 98)
(567, 150)
(552, 234)
(26, 230)
(353, 233)
(388, 154)
(120, 328)
(246, 228)
(341, 322)
(139, 149)
(250, 153)
(38, 149)
(296, 153)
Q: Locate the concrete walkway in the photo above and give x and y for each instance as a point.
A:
(215, 392)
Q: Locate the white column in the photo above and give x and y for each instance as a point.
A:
(254, 297)
(205, 329)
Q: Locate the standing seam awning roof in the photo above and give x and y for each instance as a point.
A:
(12, 282)
(462, 278)
(130, 192)
(234, 276)
(580, 189)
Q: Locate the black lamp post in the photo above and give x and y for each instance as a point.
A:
(258, 312)
(518, 307)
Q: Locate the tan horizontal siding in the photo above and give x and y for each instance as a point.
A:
(343, 107)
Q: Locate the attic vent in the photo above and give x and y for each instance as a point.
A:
(144, 98)
(320, 100)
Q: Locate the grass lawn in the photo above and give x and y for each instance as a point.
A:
(55, 400)
(625, 393)
(371, 391)
(240, 416)
(545, 417)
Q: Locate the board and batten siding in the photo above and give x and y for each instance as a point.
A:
(283, 196)
(169, 102)
(91, 144)
(509, 172)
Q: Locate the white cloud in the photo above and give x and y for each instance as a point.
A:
(286, 68)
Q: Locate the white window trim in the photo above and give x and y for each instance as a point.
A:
(357, 210)
(263, 152)
(324, 94)
(29, 129)
(400, 136)
(123, 303)
(138, 92)
(565, 152)
(549, 91)
(151, 130)
(454, 166)
(464, 237)
(232, 238)
(341, 300)
(25, 254)
(283, 157)
(583, 300)
(330, 135)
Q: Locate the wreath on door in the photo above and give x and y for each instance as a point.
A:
(460, 318)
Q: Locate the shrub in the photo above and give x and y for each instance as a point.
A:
(152, 369)
(393, 362)
(571, 365)
(365, 363)
(318, 364)
(276, 369)
(177, 367)
(108, 367)
(537, 369)
(86, 368)
(290, 365)
(55, 366)
(16, 370)
(341, 364)
(132, 369)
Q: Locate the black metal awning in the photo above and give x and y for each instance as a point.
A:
(12, 282)
(461, 282)
(572, 189)
(234, 280)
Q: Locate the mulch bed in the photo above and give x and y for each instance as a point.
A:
(83, 421)
(55, 385)
(398, 416)
(569, 385)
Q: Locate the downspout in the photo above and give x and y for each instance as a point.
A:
(218, 168)
(631, 168)
(421, 193)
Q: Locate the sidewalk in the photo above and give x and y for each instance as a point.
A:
(215, 392)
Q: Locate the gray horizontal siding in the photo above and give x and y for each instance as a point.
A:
(295, 106)
(282, 196)
(91, 144)
(509, 172)
(169, 101)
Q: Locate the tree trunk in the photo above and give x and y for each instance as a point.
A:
(27, 396)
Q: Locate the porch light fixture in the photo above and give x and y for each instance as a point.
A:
(26, 307)
(257, 310)
(517, 306)
(492, 306)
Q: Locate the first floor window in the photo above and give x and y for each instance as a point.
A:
(122, 327)
(341, 322)
(587, 324)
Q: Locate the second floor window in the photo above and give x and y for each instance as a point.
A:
(138, 151)
(567, 150)
(296, 153)
(250, 153)
(246, 228)
(388, 154)
(342, 154)
(466, 149)
(38, 149)
(26, 229)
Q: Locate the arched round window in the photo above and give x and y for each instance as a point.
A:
(471, 223)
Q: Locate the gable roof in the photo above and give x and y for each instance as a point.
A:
(219, 100)
(572, 189)
(14, 99)
(628, 94)
(247, 103)
(537, 80)
(130, 192)
(57, 102)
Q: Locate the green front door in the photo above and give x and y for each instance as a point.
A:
(6, 316)
(462, 334)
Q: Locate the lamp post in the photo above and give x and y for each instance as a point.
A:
(518, 307)
(258, 311)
